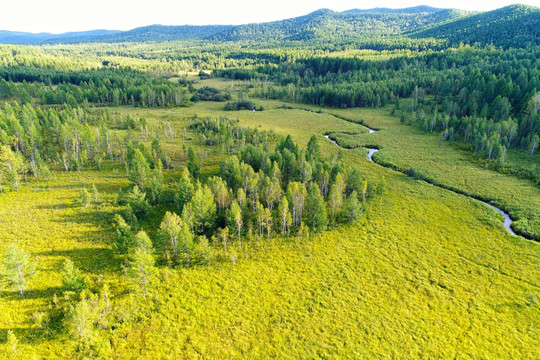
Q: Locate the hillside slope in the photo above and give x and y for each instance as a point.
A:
(511, 26)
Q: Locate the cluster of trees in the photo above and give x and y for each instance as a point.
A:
(484, 96)
(257, 193)
(114, 87)
(34, 139)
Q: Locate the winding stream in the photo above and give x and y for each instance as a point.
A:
(507, 219)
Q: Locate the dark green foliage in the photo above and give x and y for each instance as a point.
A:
(240, 105)
(136, 199)
(512, 26)
(315, 209)
(124, 237)
(185, 189)
(352, 208)
(193, 165)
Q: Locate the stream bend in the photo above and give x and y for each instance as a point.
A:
(507, 219)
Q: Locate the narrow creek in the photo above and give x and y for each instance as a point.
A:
(507, 219)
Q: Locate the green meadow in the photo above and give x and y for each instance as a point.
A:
(425, 274)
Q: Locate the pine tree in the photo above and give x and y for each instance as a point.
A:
(315, 209)
(185, 189)
(193, 164)
(352, 208)
(313, 150)
(124, 239)
(156, 184)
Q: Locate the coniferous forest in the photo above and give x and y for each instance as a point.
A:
(359, 184)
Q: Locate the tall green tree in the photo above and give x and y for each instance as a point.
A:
(202, 211)
(139, 169)
(193, 165)
(124, 239)
(142, 268)
(177, 237)
(315, 209)
(234, 218)
(352, 208)
(185, 189)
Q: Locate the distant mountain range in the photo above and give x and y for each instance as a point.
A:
(515, 25)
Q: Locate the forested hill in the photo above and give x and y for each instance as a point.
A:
(512, 26)
(16, 37)
(325, 24)
(415, 27)
(165, 33)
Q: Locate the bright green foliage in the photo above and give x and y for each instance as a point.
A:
(139, 170)
(124, 239)
(11, 167)
(315, 209)
(177, 238)
(155, 190)
(84, 198)
(17, 268)
(83, 320)
(220, 191)
(185, 189)
(193, 165)
(284, 216)
(72, 278)
(296, 195)
(352, 208)
(271, 192)
(234, 219)
(141, 268)
(136, 199)
(335, 201)
(201, 213)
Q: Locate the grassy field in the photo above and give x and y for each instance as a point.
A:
(406, 147)
(426, 273)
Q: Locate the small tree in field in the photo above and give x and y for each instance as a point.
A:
(84, 197)
(17, 268)
(73, 279)
(141, 266)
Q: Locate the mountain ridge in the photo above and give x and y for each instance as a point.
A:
(513, 25)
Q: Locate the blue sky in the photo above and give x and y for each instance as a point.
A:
(71, 15)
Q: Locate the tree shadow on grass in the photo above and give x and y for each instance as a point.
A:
(33, 335)
(30, 294)
(90, 260)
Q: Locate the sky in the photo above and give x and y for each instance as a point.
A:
(57, 16)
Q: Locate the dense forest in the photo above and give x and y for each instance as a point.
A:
(205, 190)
